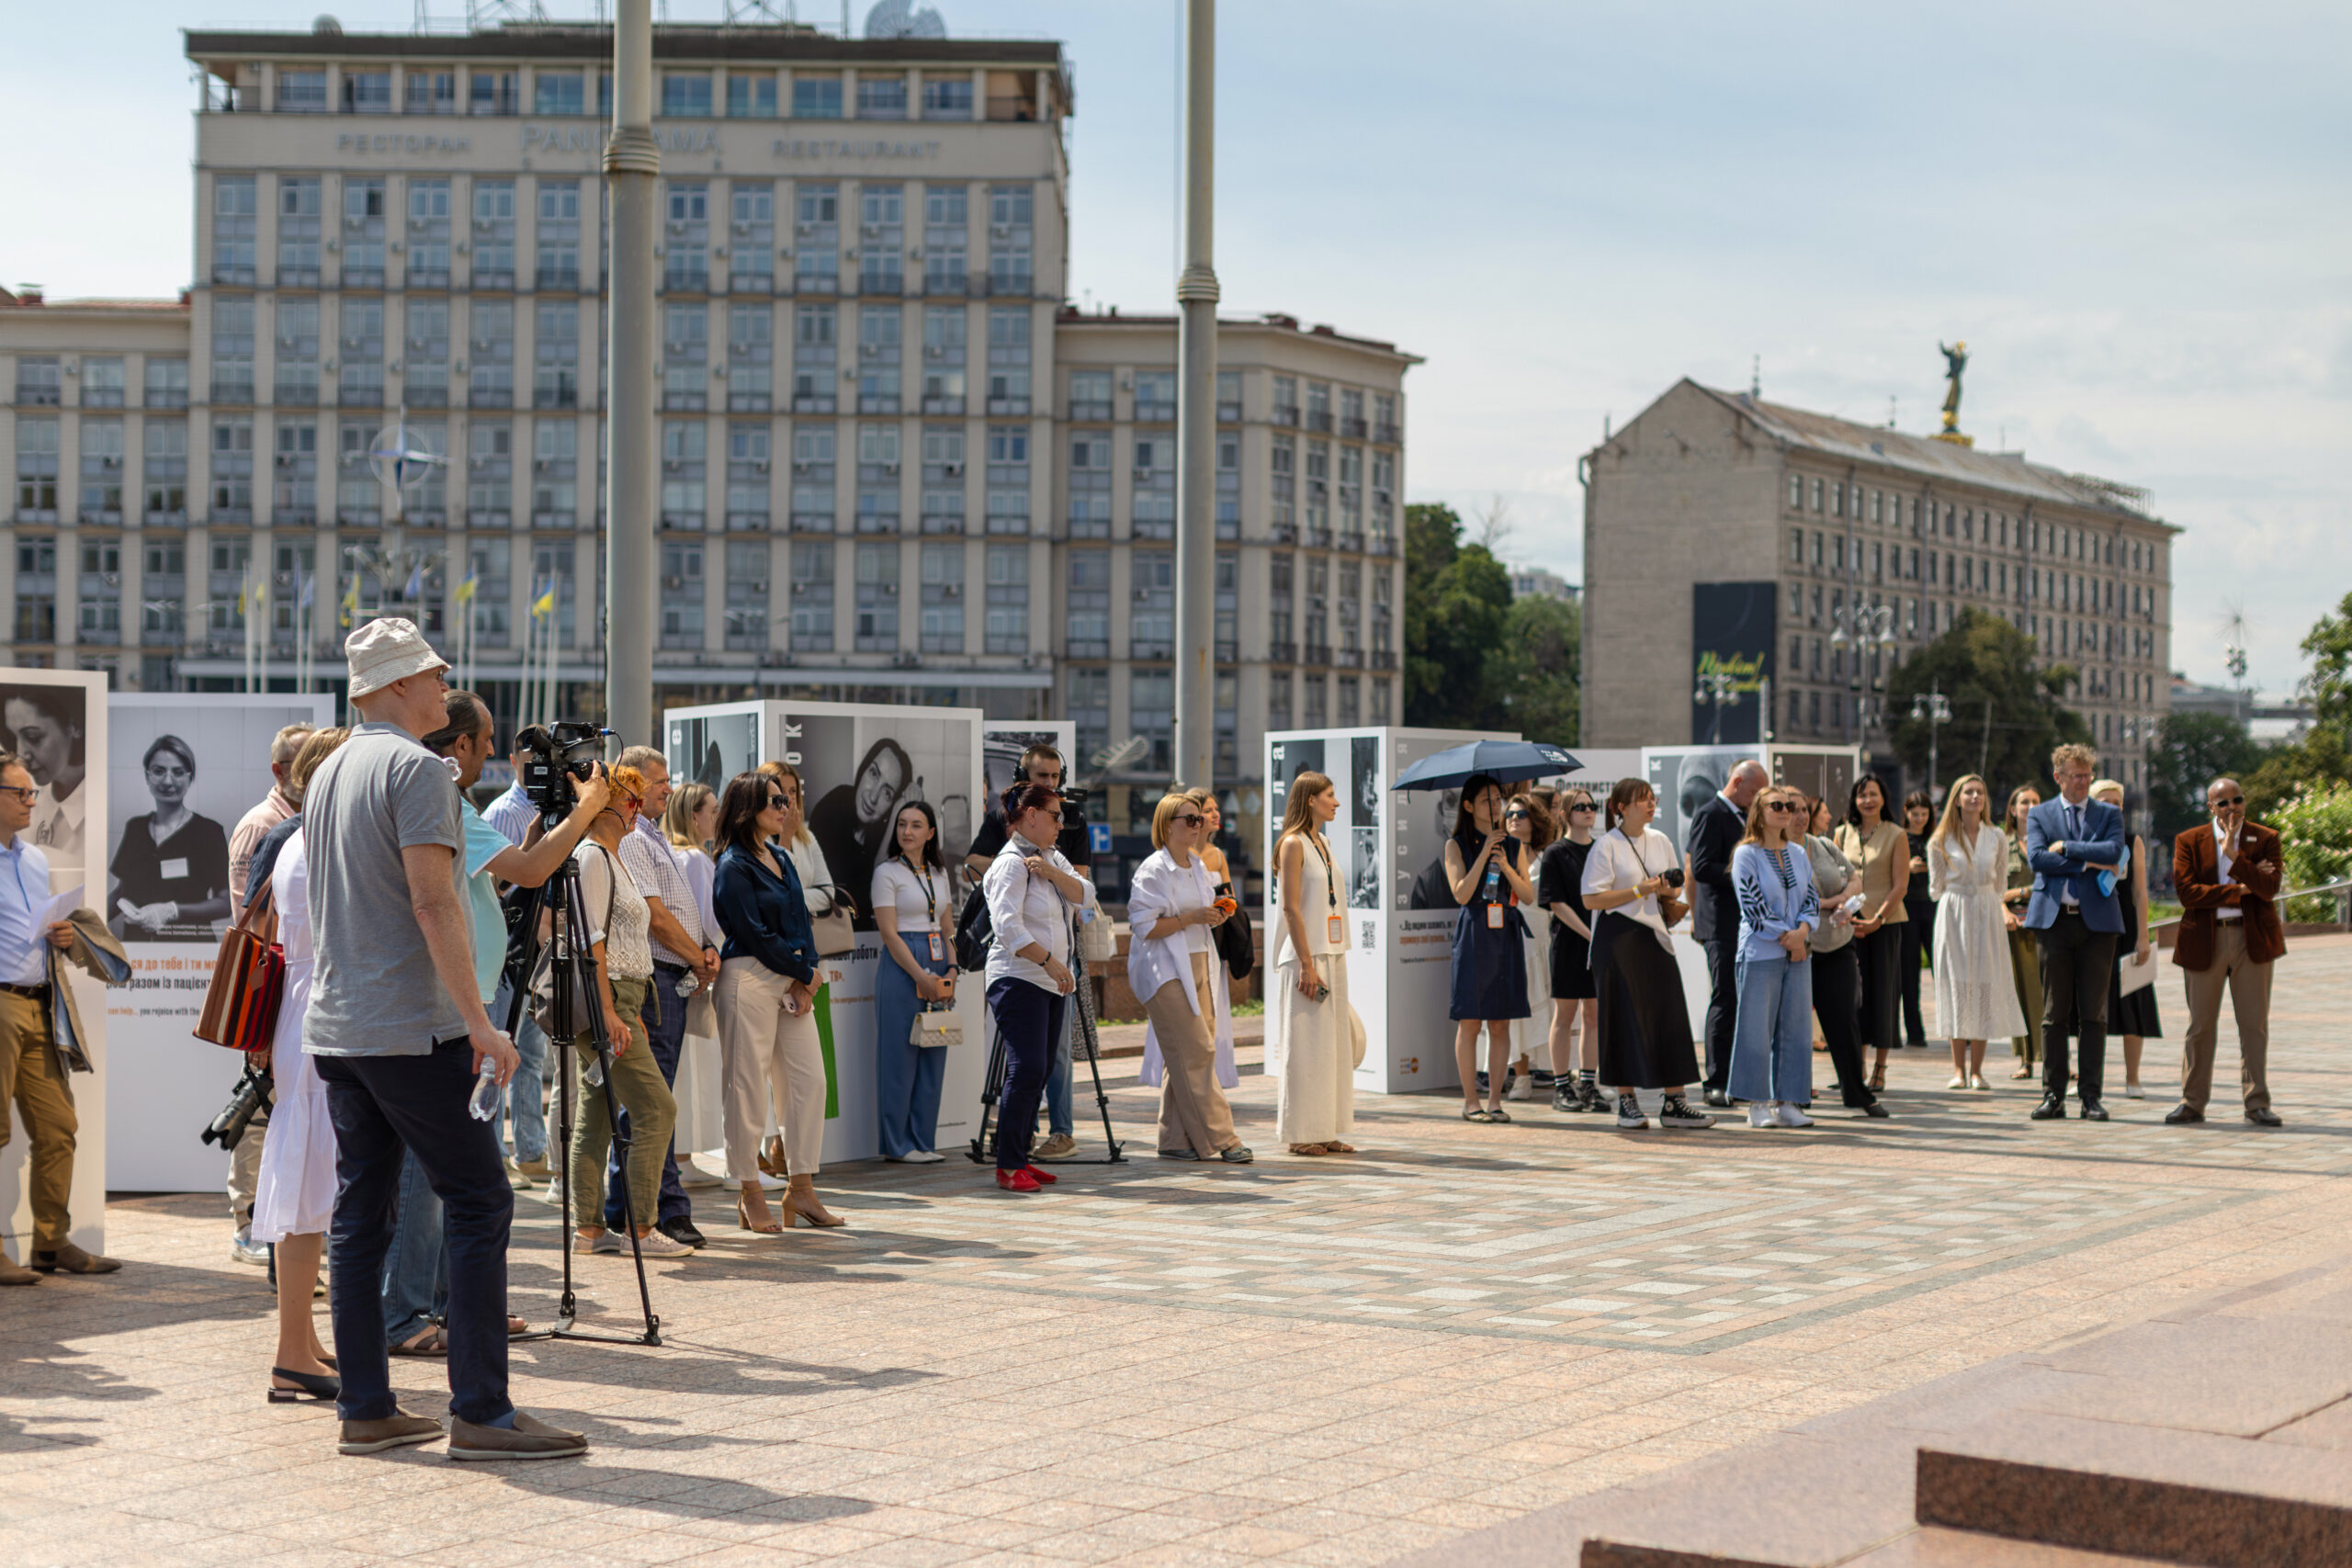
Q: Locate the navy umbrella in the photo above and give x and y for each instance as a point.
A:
(1505, 759)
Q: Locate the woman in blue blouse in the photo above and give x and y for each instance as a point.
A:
(767, 983)
(1771, 1052)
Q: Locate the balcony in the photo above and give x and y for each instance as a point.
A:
(102, 397)
(557, 280)
(942, 523)
(1349, 658)
(494, 282)
(1318, 654)
(1380, 544)
(1319, 421)
(943, 405)
(946, 282)
(296, 395)
(1387, 434)
(1351, 542)
(1281, 653)
(882, 285)
(363, 277)
(426, 394)
(98, 512)
(296, 277)
(1090, 410)
(1354, 429)
(812, 522)
(685, 275)
(1228, 652)
(811, 403)
(1228, 413)
(1286, 413)
(491, 398)
(167, 397)
(1155, 413)
(877, 523)
(877, 405)
(172, 517)
(428, 277)
(747, 522)
(1318, 539)
(235, 277)
(1086, 648)
(562, 392)
(1008, 405)
(356, 395)
(487, 517)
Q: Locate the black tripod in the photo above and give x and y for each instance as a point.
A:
(982, 1149)
(572, 972)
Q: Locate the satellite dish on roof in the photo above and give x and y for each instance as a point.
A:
(326, 26)
(899, 18)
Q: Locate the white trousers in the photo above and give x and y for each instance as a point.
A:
(765, 1048)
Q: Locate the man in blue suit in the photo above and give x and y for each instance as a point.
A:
(2076, 923)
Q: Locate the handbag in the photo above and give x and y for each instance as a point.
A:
(1355, 1029)
(543, 975)
(248, 983)
(832, 930)
(1235, 943)
(937, 1025)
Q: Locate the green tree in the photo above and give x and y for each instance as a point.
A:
(2192, 750)
(2322, 760)
(1533, 678)
(1457, 599)
(2328, 687)
(2006, 716)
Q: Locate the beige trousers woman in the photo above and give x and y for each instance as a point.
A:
(1193, 1111)
(761, 1044)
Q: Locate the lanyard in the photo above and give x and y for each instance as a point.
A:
(930, 897)
(1330, 891)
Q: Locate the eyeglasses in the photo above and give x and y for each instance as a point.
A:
(2234, 800)
(26, 793)
(1190, 819)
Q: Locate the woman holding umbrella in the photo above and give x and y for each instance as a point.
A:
(1487, 871)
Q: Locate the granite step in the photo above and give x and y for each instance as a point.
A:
(1920, 1546)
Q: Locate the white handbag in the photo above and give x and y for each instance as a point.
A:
(938, 1027)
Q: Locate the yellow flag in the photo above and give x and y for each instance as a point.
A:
(466, 590)
(544, 605)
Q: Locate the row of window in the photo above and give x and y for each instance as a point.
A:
(684, 94)
(40, 381)
(1983, 525)
(1321, 701)
(1967, 574)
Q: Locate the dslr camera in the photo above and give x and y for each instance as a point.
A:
(560, 753)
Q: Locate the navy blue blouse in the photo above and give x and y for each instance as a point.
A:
(763, 916)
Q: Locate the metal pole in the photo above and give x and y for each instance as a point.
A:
(1196, 295)
(632, 163)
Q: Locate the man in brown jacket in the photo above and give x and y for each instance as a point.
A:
(2227, 876)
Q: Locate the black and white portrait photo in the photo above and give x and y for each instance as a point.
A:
(47, 727)
(858, 768)
(713, 749)
(1363, 780)
(1364, 870)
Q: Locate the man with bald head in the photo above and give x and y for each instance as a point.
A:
(1716, 830)
(2227, 874)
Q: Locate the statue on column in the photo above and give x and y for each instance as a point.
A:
(1955, 363)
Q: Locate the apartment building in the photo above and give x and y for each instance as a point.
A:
(1724, 531)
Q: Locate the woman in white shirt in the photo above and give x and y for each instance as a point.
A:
(1968, 869)
(1645, 1027)
(1032, 893)
(1173, 967)
(913, 901)
(1310, 1030)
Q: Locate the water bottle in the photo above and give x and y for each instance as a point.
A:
(485, 1103)
(593, 1071)
(1494, 890)
(687, 985)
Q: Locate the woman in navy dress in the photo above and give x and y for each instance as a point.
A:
(1487, 871)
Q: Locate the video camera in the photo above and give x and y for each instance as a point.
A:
(559, 753)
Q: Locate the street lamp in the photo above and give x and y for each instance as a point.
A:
(1720, 687)
(1936, 708)
(1858, 627)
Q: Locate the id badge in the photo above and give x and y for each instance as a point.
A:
(1493, 917)
(1339, 930)
(935, 953)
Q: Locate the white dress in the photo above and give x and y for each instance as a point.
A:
(1533, 1032)
(1311, 1046)
(294, 1195)
(1177, 891)
(1976, 994)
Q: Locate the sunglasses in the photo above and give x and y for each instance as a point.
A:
(778, 802)
(1517, 816)
(1782, 806)
(1584, 806)
(1190, 819)
(2234, 800)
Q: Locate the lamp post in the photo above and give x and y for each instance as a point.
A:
(1936, 708)
(632, 163)
(1721, 688)
(1859, 625)
(1196, 297)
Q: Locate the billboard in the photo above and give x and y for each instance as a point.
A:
(1731, 652)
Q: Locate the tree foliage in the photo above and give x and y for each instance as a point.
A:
(2192, 750)
(2328, 686)
(2006, 716)
(2322, 760)
(1474, 658)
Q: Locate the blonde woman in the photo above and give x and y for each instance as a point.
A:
(1172, 904)
(1153, 1072)
(2025, 954)
(1968, 867)
(2131, 1014)
(1780, 910)
(1311, 1032)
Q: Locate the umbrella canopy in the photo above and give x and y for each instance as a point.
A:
(1504, 760)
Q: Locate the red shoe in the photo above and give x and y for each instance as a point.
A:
(1048, 1177)
(1017, 1180)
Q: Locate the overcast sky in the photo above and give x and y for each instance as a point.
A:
(2138, 216)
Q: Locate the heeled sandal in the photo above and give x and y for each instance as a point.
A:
(1878, 1078)
(743, 1218)
(307, 1385)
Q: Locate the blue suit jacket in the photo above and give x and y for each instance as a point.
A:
(2101, 842)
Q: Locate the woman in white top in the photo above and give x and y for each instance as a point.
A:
(1968, 869)
(1310, 1030)
(1645, 1027)
(1173, 967)
(1526, 819)
(914, 910)
(690, 824)
(1154, 1070)
(1032, 893)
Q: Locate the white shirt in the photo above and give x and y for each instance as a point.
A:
(896, 887)
(1161, 888)
(2221, 864)
(653, 866)
(1618, 864)
(1024, 909)
(23, 894)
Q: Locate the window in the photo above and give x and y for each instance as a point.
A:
(881, 97)
(817, 234)
(1007, 606)
(300, 233)
(551, 572)
(816, 95)
(301, 90)
(751, 357)
(944, 328)
(946, 97)
(1315, 686)
(1278, 699)
(1383, 608)
(877, 479)
(1151, 610)
(493, 234)
(555, 376)
(945, 239)
(1819, 493)
(555, 473)
(1228, 485)
(942, 630)
(38, 444)
(1087, 628)
(1283, 490)
(426, 353)
(750, 257)
(1318, 493)
(1318, 407)
(1285, 404)
(1351, 709)
(428, 233)
(164, 471)
(164, 618)
(1352, 498)
(1090, 394)
(296, 476)
(489, 475)
(942, 480)
(1008, 479)
(492, 354)
(683, 467)
(559, 234)
(1155, 397)
(1155, 488)
(1227, 635)
(431, 92)
(236, 218)
(37, 588)
(102, 382)
(297, 351)
(366, 92)
(1317, 618)
(1087, 704)
(1008, 359)
(366, 217)
(100, 590)
(558, 92)
(750, 95)
(1011, 239)
(747, 594)
(232, 468)
(1151, 713)
(686, 357)
(685, 262)
(362, 352)
(358, 493)
(812, 478)
(494, 93)
(1282, 649)
(747, 479)
(878, 358)
(877, 598)
(812, 595)
(814, 358)
(1350, 613)
(1089, 484)
(681, 594)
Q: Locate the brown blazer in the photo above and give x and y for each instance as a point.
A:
(2195, 868)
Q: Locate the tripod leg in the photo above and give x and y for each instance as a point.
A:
(991, 1089)
(1094, 1064)
(629, 1211)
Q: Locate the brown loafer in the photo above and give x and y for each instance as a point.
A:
(529, 1437)
(70, 1259)
(390, 1432)
(15, 1273)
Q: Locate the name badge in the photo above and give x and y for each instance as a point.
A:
(938, 950)
(1339, 929)
(174, 870)
(1493, 917)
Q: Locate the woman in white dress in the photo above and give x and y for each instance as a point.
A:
(1526, 819)
(1968, 869)
(1310, 1028)
(1173, 968)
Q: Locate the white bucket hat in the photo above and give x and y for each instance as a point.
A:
(386, 650)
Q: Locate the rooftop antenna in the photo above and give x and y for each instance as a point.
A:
(1890, 411)
(482, 15)
(753, 13)
(1755, 377)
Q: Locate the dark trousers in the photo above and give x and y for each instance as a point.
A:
(1029, 1021)
(1722, 1006)
(382, 1106)
(1879, 956)
(2076, 963)
(1837, 1002)
(664, 1018)
(1919, 943)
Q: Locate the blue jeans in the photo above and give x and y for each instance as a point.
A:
(1057, 1120)
(525, 1112)
(667, 1034)
(1771, 1050)
(906, 1078)
(382, 1107)
(416, 1270)
(1029, 1019)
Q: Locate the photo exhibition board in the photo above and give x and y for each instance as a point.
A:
(55, 719)
(1382, 844)
(198, 761)
(859, 763)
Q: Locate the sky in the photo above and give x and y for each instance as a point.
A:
(2138, 216)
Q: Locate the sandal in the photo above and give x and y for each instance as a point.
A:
(307, 1385)
(1337, 1148)
(1477, 1113)
(1308, 1149)
(1878, 1079)
(1497, 1113)
(434, 1342)
(743, 1217)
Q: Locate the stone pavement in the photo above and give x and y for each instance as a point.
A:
(1315, 1362)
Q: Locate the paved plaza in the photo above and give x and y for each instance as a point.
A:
(1312, 1361)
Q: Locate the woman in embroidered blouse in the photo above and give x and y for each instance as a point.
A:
(1772, 1054)
(1880, 849)
(1645, 1040)
(914, 909)
(2025, 953)
(1967, 868)
(1172, 967)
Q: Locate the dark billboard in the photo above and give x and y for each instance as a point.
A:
(1731, 658)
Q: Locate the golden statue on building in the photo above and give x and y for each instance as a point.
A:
(1955, 364)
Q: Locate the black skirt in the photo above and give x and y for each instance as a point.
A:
(1571, 962)
(2134, 1014)
(1645, 1040)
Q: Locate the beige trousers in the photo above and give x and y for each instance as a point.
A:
(1193, 1111)
(2249, 987)
(31, 1078)
(762, 1046)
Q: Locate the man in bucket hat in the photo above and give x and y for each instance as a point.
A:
(399, 1034)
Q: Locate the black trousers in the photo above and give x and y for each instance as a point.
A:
(2075, 964)
(1722, 1005)
(1919, 942)
(1837, 1002)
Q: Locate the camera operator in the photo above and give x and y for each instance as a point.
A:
(397, 1024)
(1043, 765)
(415, 1276)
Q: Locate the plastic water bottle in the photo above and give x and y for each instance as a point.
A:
(593, 1071)
(1494, 890)
(485, 1103)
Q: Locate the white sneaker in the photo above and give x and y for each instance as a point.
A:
(922, 1156)
(243, 1249)
(2134, 1092)
(606, 1240)
(1788, 1115)
(654, 1243)
(1959, 1080)
(1521, 1087)
(1759, 1113)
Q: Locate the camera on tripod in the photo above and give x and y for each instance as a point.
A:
(560, 752)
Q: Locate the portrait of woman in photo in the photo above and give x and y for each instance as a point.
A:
(851, 821)
(171, 869)
(44, 725)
